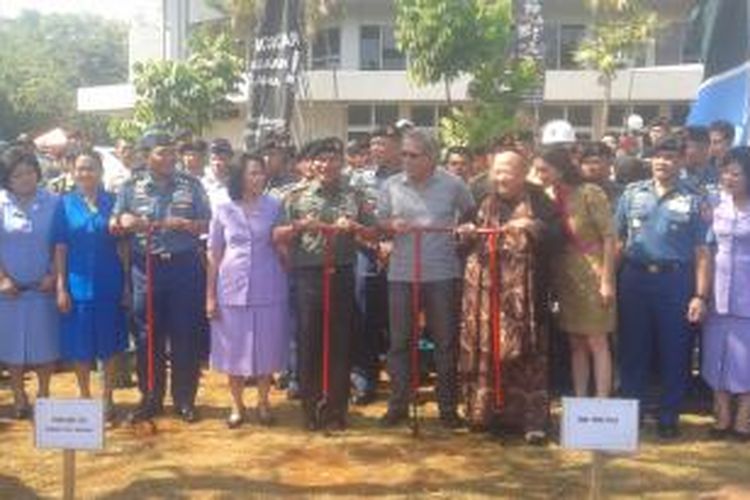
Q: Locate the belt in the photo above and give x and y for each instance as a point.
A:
(168, 257)
(658, 267)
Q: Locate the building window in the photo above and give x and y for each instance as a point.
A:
(548, 113)
(363, 118)
(359, 116)
(580, 116)
(423, 116)
(326, 49)
(679, 114)
(617, 116)
(385, 115)
(571, 36)
(561, 41)
(649, 112)
(377, 49)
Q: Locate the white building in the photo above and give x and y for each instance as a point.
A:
(356, 78)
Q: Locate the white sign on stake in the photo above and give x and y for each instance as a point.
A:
(69, 424)
(600, 424)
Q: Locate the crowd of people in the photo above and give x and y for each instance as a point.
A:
(315, 269)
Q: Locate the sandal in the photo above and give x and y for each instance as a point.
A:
(535, 438)
(235, 419)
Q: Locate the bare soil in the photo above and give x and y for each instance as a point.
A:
(207, 460)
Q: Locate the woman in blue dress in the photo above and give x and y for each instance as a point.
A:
(29, 331)
(90, 283)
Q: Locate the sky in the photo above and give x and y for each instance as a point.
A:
(113, 9)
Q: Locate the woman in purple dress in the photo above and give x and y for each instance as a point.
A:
(726, 335)
(246, 298)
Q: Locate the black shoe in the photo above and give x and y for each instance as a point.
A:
(452, 421)
(22, 412)
(393, 418)
(311, 425)
(740, 436)
(478, 428)
(668, 431)
(719, 434)
(123, 383)
(142, 413)
(188, 414)
(363, 398)
(337, 424)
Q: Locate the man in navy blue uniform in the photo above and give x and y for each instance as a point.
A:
(663, 282)
(176, 205)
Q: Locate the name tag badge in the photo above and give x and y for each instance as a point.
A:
(679, 205)
(18, 222)
(636, 223)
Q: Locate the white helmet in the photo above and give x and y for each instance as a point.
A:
(558, 132)
(635, 123)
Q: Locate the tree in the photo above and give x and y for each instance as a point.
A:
(187, 94)
(44, 59)
(445, 40)
(622, 27)
(244, 14)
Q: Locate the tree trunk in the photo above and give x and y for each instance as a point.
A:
(604, 119)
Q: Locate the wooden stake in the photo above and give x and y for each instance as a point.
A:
(595, 478)
(69, 474)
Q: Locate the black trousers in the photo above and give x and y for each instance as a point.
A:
(309, 301)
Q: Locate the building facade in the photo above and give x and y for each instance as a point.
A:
(356, 77)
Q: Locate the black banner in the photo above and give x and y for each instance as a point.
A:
(529, 41)
(272, 78)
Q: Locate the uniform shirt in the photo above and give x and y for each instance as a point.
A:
(26, 236)
(282, 192)
(369, 181)
(730, 233)
(666, 229)
(441, 201)
(280, 181)
(250, 272)
(93, 266)
(706, 181)
(326, 204)
(182, 196)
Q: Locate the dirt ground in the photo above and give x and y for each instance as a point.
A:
(206, 460)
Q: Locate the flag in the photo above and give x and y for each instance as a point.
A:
(724, 28)
(273, 72)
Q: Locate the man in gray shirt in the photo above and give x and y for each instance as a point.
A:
(423, 196)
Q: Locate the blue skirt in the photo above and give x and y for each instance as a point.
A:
(93, 330)
(29, 329)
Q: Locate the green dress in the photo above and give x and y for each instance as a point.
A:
(587, 216)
